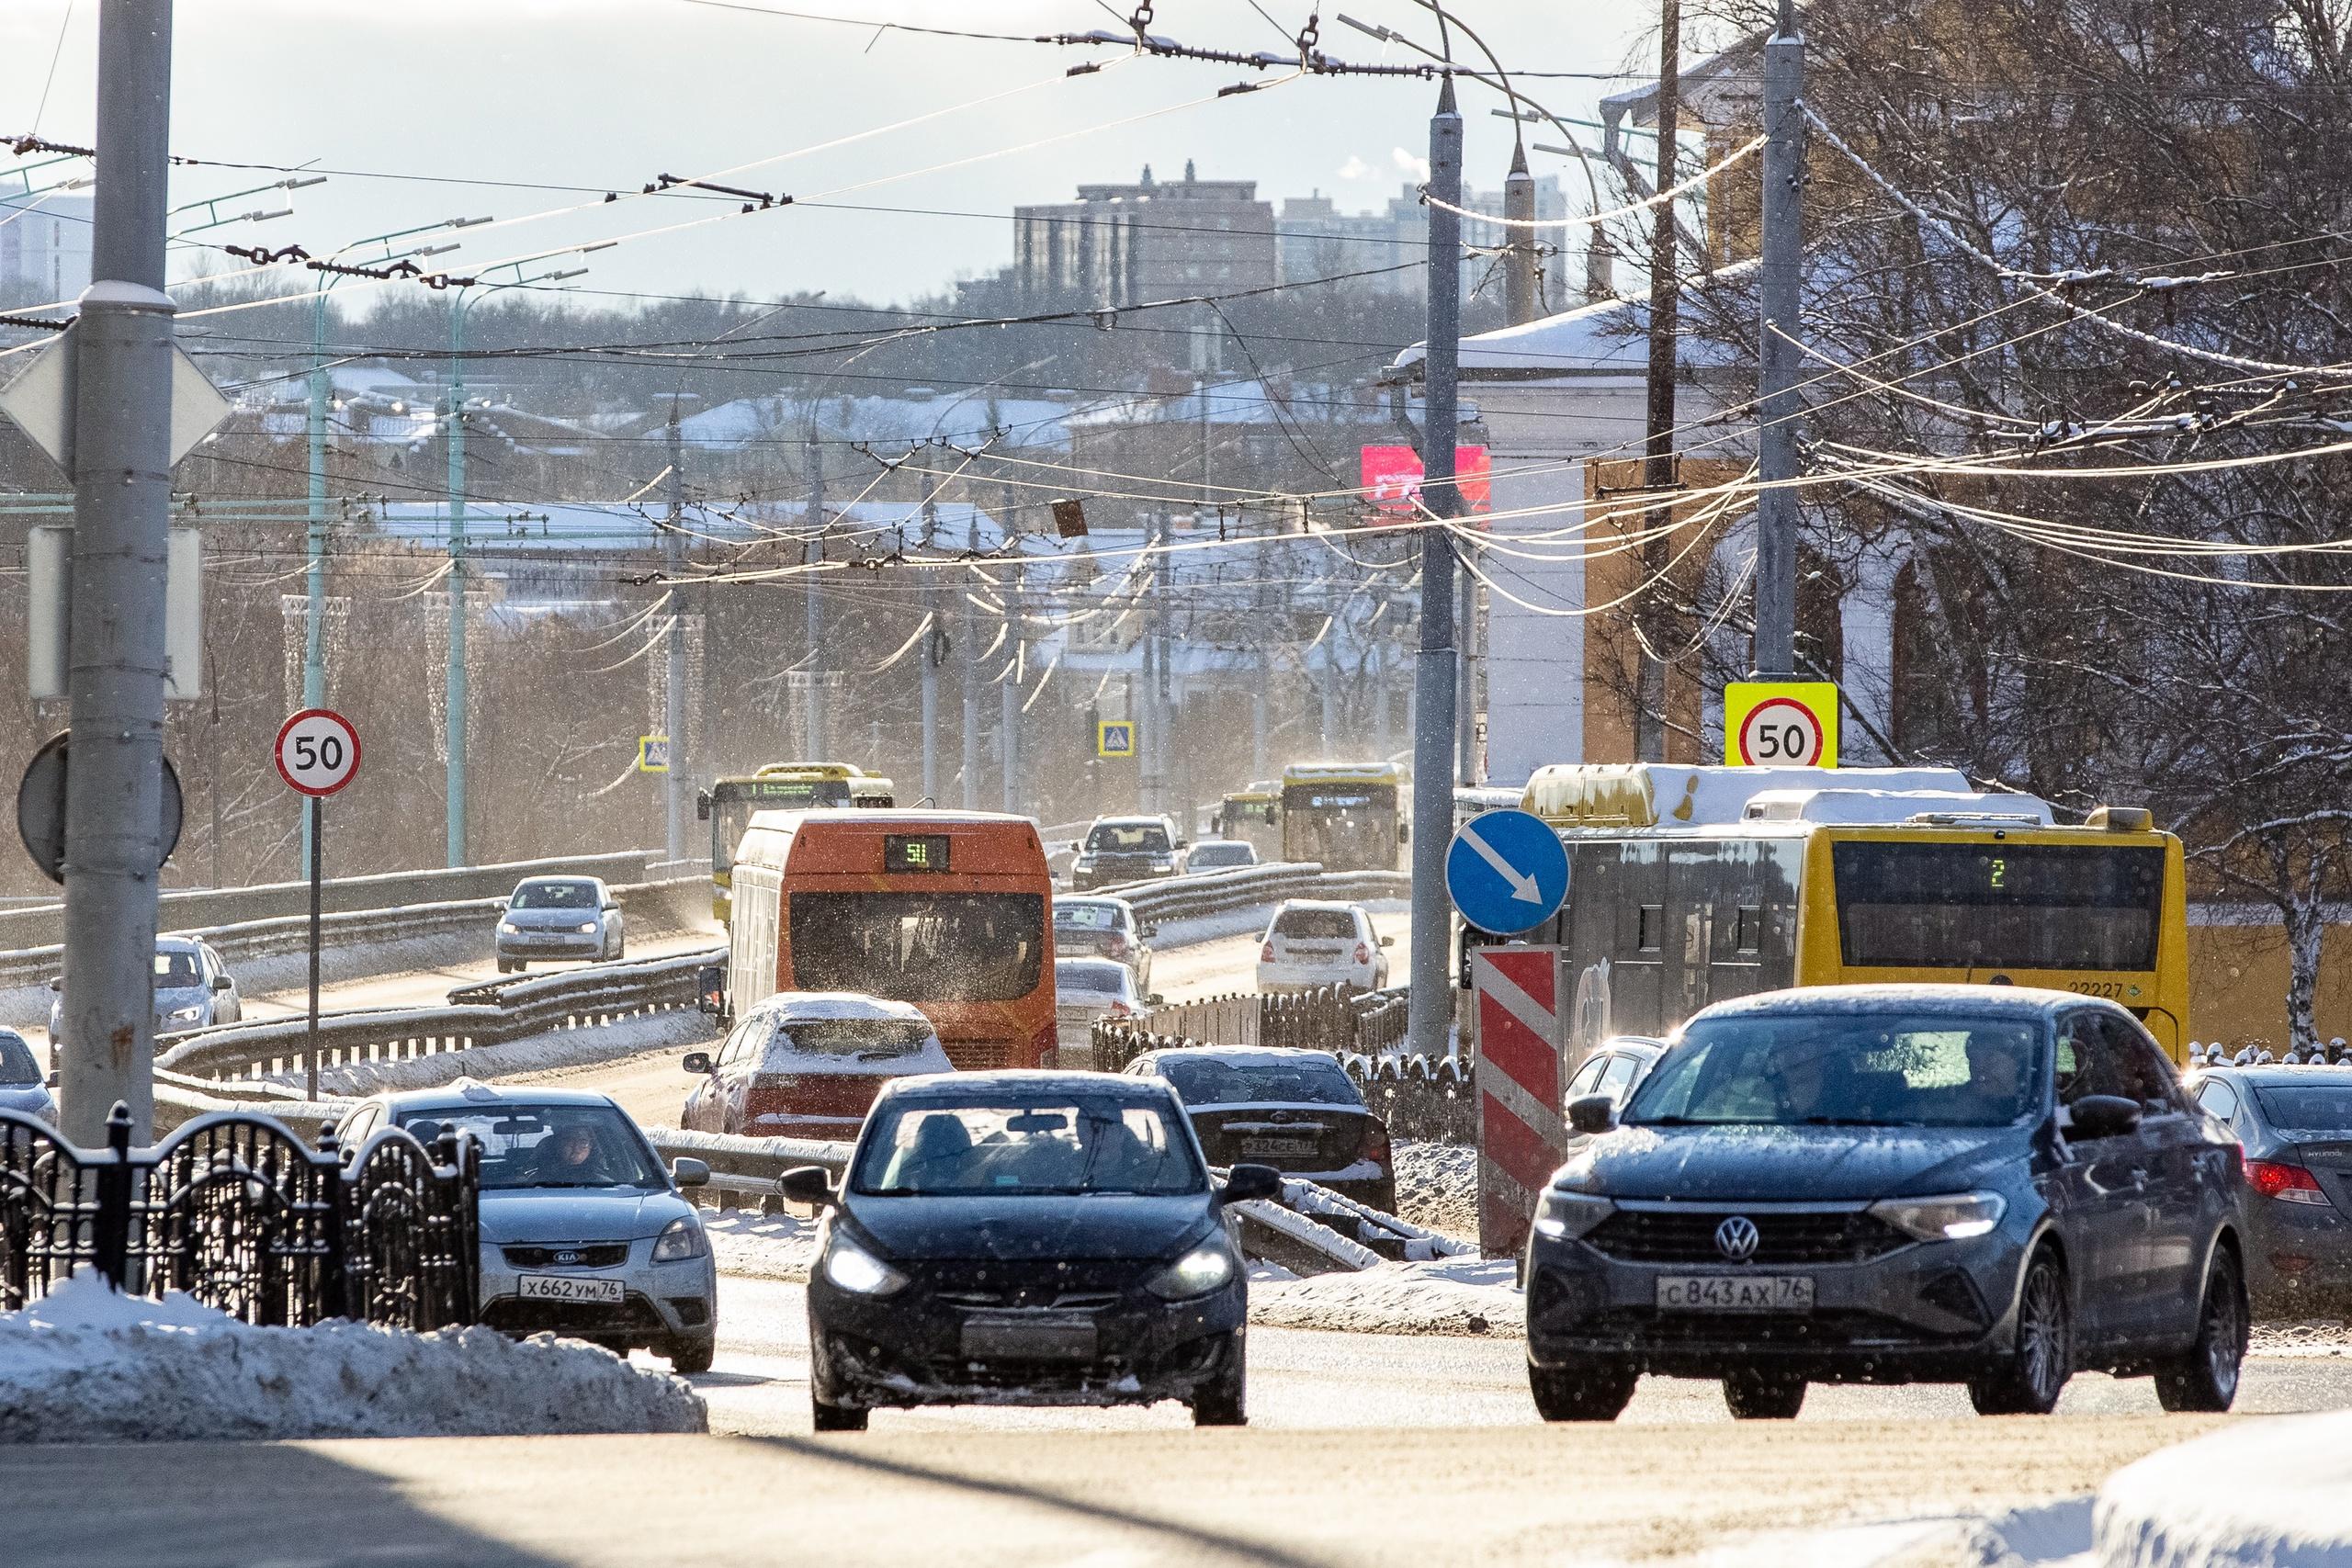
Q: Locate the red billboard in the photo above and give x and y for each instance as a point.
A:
(1392, 477)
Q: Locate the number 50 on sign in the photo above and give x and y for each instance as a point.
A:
(1780, 723)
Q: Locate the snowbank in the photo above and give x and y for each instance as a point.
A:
(86, 1365)
(1451, 1295)
(2287, 1503)
(1437, 1186)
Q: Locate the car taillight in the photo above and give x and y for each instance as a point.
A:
(1266, 953)
(1115, 946)
(1363, 954)
(1120, 1010)
(1375, 1143)
(2287, 1183)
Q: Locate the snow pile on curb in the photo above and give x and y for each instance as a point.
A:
(1437, 1186)
(1464, 1296)
(2273, 1495)
(764, 1246)
(86, 1365)
(558, 1048)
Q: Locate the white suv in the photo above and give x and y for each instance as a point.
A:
(1311, 943)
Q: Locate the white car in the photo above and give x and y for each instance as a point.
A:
(1219, 854)
(1311, 943)
(1086, 989)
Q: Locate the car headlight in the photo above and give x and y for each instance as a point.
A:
(586, 928)
(858, 1271)
(508, 928)
(1954, 1217)
(1206, 1268)
(185, 1015)
(683, 1239)
(1565, 1216)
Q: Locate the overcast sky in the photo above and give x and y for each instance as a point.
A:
(609, 93)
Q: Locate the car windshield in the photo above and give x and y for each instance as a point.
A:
(1103, 979)
(554, 896)
(1056, 1145)
(1086, 917)
(1315, 925)
(1308, 1081)
(2307, 1107)
(1128, 838)
(16, 1064)
(547, 1145)
(176, 969)
(1845, 1069)
(869, 1039)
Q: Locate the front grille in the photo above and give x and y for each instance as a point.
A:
(1652, 1235)
(1640, 1328)
(984, 1283)
(595, 1255)
(630, 1315)
(978, 1056)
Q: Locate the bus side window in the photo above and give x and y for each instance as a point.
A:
(1649, 933)
(1748, 929)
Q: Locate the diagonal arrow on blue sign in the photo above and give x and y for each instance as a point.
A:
(1506, 871)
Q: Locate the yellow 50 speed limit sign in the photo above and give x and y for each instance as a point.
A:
(1780, 723)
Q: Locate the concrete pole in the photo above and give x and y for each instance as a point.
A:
(971, 727)
(1657, 472)
(314, 545)
(122, 348)
(1164, 684)
(1016, 642)
(1430, 1017)
(1523, 290)
(813, 607)
(1258, 697)
(674, 684)
(936, 612)
(454, 680)
(1777, 365)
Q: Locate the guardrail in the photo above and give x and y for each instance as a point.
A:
(1330, 1018)
(535, 1005)
(1221, 892)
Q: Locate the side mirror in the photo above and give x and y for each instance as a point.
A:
(2103, 1116)
(702, 806)
(689, 1172)
(807, 1185)
(1404, 832)
(610, 908)
(57, 982)
(504, 904)
(1591, 1114)
(1154, 999)
(696, 1061)
(710, 989)
(1146, 929)
(1244, 1182)
(221, 982)
(55, 1077)
(1388, 942)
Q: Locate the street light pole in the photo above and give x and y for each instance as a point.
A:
(1430, 1011)
(1780, 294)
(122, 461)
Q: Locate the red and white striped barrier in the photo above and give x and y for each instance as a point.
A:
(1521, 1139)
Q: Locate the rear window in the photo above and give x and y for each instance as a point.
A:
(870, 1038)
(16, 1064)
(1087, 917)
(1326, 925)
(2308, 1108)
(1103, 979)
(1205, 1080)
(1128, 838)
(554, 896)
(1224, 855)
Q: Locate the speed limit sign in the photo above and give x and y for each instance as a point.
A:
(318, 752)
(1780, 723)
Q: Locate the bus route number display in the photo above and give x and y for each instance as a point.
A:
(914, 853)
(1780, 723)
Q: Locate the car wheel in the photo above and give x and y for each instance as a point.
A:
(1763, 1396)
(620, 946)
(836, 1417)
(2028, 1379)
(688, 1357)
(1223, 1401)
(2205, 1376)
(504, 968)
(1592, 1392)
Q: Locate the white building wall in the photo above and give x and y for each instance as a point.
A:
(44, 249)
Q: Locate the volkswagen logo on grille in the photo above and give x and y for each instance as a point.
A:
(1735, 1238)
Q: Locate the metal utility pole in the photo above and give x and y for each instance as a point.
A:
(1776, 399)
(114, 806)
(1264, 593)
(970, 618)
(454, 680)
(813, 604)
(1665, 309)
(1431, 1015)
(1016, 643)
(1522, 289)
(1164, 684)
(935, 613)
(674, 683)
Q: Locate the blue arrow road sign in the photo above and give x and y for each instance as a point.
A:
(1506, 871)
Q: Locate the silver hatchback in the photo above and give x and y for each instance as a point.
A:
(559, 916)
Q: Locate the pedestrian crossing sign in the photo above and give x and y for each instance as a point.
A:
(652, 753)
(1114, 737)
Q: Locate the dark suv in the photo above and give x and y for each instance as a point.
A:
(1893, 1184)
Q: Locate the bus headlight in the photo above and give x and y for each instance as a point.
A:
(1954, 1217)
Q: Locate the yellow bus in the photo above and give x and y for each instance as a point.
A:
(1347, 816)
(1254, 816)
(871, 791)
(1687, 885)
(728, 803)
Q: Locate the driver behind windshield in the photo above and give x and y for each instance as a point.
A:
(574, 1157)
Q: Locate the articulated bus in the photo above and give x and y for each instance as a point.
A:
(1690, 885)
(1254, 816)
(1344, 815)
(728, 803)
(949, 910)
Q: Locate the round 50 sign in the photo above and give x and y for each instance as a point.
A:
(1790, 724)
(318, 752)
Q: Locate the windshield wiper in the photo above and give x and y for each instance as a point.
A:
(1851, 1122)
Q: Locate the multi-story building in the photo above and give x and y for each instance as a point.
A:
(44, 248)
(1316, 239)
(1117, 244)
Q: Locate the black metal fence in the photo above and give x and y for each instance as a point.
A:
(236, 1210)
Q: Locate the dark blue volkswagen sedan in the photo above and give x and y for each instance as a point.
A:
(1027, 1238)
(1889, 1184)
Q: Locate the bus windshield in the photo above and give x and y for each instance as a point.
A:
(1346, 826)
(919, 947)
(733, 801)
(1999, 906)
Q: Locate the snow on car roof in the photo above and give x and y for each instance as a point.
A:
(1886, 998)
(1340, 904)
(835, 1004)
(1027, 1081)
(1238, 1055)
(472, 1091)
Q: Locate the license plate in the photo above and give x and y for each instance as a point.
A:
(1735, 1292)
(1276, 1149)
(1029, 1339)
(568, 1288)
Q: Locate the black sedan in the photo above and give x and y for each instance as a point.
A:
(1296, 1111)
(2296, 1126)
(1026, 1238)
(1890, 1184)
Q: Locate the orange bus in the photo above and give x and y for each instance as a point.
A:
(950, 910)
